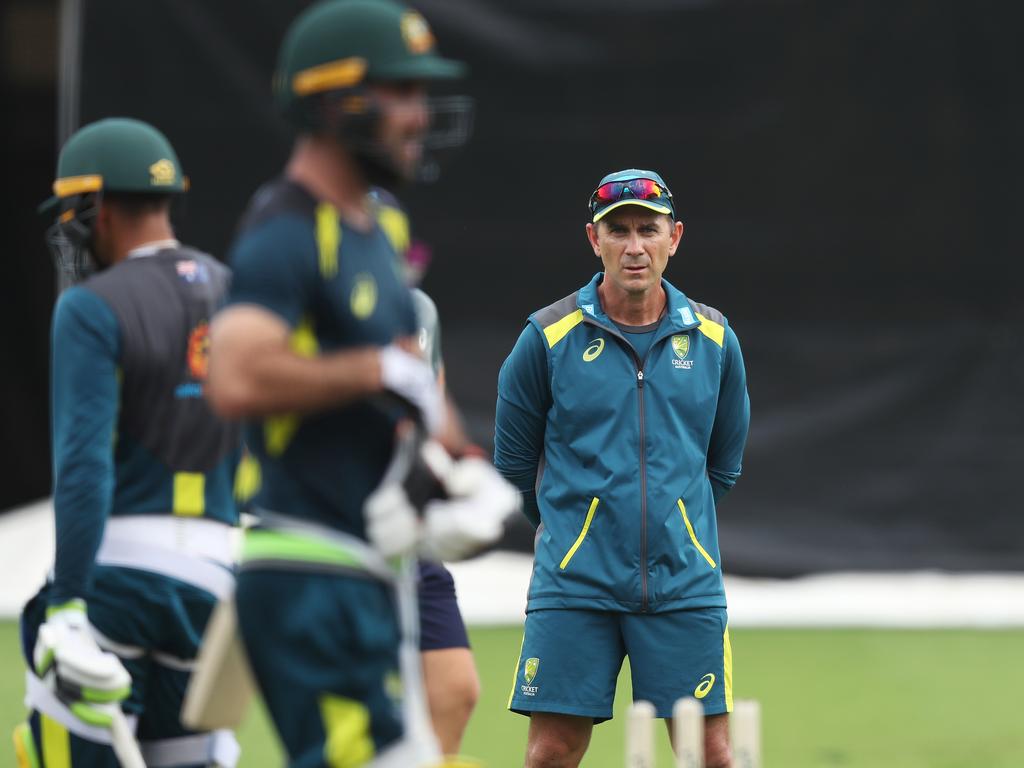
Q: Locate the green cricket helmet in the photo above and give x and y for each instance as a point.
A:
(336, 48)
(116, 155)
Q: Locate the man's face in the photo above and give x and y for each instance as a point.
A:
(404, 120)
(634, 244)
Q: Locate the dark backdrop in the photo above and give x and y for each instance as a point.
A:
(849, 174)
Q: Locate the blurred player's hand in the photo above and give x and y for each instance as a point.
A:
(440, 507)
(473, 517)
(68, 661)
(411, 378)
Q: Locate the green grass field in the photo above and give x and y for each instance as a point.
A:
(872, 698)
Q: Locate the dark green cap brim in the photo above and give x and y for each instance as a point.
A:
(48, 206)
(420, 68)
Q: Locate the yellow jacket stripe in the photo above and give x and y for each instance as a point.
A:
(693, 535)
(711, 329)
(555, 332)
(582, 536)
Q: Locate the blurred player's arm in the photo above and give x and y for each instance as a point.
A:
(84, 388)
(732, 420)
(254, 371)
(524, 398)
(259, 366)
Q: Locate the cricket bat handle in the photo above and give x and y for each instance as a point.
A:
(123, 740)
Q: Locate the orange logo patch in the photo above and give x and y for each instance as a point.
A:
(199, 351)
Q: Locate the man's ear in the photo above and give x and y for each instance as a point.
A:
(676, 236)
(592, 237)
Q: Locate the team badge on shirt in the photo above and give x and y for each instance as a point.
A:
(681, 348)
(363, 299)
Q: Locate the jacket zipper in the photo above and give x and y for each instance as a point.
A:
(643, 449)
(643, 488)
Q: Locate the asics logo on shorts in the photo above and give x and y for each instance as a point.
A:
(706, 684)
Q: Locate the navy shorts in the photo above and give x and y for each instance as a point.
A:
(441, 624)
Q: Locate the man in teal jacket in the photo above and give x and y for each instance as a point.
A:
(622, 415)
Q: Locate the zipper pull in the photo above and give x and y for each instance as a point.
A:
(640, 378)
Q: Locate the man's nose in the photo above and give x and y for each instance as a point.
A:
(634, 244)
(419, 113)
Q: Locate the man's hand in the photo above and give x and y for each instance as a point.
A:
(67, 659)
(412, 379)
(473, 517)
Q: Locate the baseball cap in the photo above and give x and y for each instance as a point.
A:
(632, 186)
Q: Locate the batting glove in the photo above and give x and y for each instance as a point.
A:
(413, 380)
(68, 661)
(473, 517)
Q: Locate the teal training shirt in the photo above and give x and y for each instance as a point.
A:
(336, 288)
(627, 454)
(640, 337)
(131, 432)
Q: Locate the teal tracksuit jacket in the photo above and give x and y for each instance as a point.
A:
(626, 456)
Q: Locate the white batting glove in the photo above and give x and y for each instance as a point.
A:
(392, 523)
(68, 661)
(413, 380)
(474, 517)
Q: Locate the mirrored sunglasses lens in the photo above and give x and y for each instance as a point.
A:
(645, 189)
(610, 192)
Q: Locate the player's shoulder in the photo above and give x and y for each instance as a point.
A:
(82, 306)
(280, 197)
(277, 231)
(707, 312)
(556, 311)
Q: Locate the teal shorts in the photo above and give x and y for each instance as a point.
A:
(323, 648)
(570, 661)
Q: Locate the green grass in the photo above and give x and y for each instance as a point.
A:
(872, 698)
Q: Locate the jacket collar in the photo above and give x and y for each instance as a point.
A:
(681, 316)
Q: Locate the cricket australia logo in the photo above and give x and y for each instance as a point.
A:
(530, 668)
(681, 347)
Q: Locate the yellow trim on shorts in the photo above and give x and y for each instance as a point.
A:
(56, 743)
(515, 672)
(555, 332)
(693, 535)
(582, 536)
(346, 722)
(727, 665)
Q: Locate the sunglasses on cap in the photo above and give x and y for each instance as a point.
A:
(637, 189)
